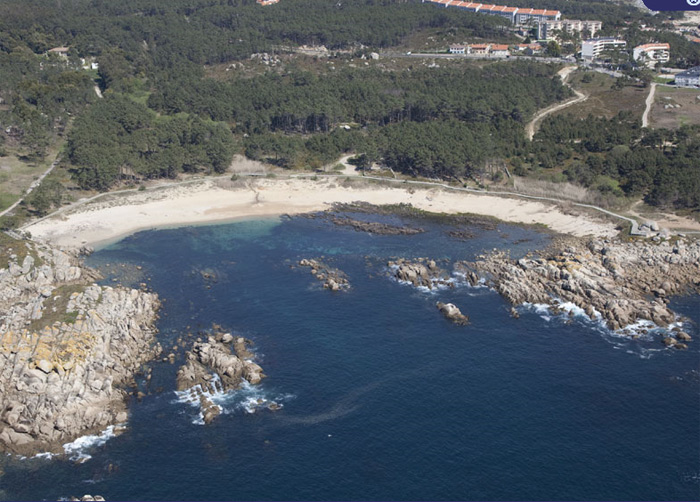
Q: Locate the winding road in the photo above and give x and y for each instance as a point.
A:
(532, 126)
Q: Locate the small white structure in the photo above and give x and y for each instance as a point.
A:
(650, 54)
(592, 49)
(459, 49)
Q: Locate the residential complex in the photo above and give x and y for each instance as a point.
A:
(495, 50)
(516, 15)
(593, 48)
(650, 54)
(689, 78)
(548, 29)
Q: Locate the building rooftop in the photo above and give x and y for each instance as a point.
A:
(692, 72)
(653, 46)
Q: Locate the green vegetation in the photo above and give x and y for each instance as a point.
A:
(118, 138)
(616, 156)
(164, 114)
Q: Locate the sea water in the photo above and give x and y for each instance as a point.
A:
(382, 398)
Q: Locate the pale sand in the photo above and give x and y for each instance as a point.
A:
(205, 202)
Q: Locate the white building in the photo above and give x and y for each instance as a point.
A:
(546, 30)
(592, 49)
(689, 78)
(459, 49)
(650, 54)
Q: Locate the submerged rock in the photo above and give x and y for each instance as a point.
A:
(332, 278)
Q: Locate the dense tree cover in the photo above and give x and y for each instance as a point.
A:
(213, 31)
(434, 122)
(306, 103)
(39, 95)
(119, 139)
(660, 165)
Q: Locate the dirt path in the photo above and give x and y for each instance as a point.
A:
(531, 127)
(650, 103)
(34, 185)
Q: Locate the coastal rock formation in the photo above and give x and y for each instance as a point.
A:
(618, 282)
(212, 368)
(421, 273)
(67, 347)
(451, 312)
(332, 278)
(374, 227)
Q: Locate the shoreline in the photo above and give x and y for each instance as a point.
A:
(219, 201)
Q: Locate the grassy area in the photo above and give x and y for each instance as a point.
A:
(16, 175)
(604, 101)
(55, 308)
(675, 107)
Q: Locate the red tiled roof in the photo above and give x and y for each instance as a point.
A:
(654, 46)
(551, 12)
(499, 47)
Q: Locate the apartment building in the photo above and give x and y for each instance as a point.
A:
(650, 54)
(689, 78)
(547, 29)
(593, 48)
(516, 15)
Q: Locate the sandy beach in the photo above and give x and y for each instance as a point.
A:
(219, 200)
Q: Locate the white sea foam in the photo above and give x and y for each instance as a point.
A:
(627, 337)
(247, 398)
(77, 451)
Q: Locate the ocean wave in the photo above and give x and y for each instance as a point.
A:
(247, 398)
(627, 338)
(77, 450)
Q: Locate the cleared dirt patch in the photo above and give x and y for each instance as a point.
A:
(603, 100)
(675, 107)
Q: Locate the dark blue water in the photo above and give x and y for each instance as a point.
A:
(383, 399)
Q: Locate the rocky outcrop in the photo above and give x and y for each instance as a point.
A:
(332, 278)
(420, 273)
(451, 312)
(212, 368)
(374, 227)
(68, 347)
(619, 282)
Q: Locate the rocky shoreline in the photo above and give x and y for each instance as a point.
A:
(615, 281)
(69, 348)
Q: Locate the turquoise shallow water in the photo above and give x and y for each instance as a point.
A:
(383, 399)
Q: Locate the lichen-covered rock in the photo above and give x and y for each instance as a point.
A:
(67, 349)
